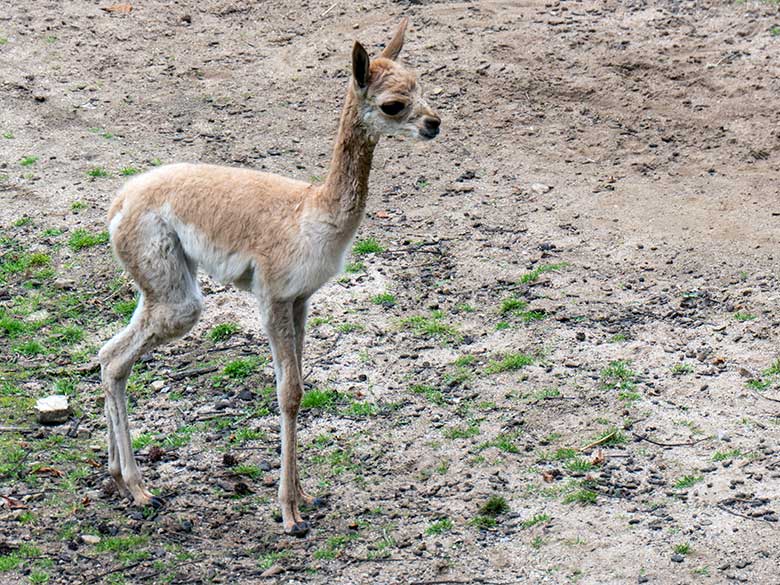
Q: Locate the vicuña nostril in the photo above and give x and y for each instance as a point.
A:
(432, 123)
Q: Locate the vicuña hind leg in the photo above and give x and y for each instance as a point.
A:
(169, 306)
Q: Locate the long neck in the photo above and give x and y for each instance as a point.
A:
(346, 187)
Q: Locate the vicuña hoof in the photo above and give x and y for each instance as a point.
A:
(299, 529)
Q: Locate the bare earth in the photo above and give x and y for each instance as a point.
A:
(602, 206)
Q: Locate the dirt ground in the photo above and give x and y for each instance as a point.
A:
(559, 364)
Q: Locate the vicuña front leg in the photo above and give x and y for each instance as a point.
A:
(280, 327)
(300, 311)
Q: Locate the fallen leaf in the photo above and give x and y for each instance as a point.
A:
(598, 458)
(118, 8)
(48, 471)
(381, 214)
(14, 504)
(548, 476)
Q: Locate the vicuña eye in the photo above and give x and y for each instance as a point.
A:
(393, 108)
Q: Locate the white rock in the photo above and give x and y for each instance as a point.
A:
(53, 409)
(90, 539)
(157, 385)
(540, 188)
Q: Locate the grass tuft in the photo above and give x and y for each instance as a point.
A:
(510, 362)
(367, 246)
(82, 238)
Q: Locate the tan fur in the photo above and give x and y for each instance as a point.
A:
(278, 237)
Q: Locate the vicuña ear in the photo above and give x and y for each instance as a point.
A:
(360, 65)
(394, 46)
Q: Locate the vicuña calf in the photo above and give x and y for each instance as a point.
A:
(279, 238)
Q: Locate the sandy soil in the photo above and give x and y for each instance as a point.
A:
(603, 200)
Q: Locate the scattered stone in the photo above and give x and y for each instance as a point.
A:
(272, 571)
(540, 188)
(52, 410)
(677, 558)
(157, 385)
(65, 284)
(90, 539)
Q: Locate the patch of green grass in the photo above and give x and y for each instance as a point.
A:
(430, 393)
(433, 326)
(244, 435)
(494, 506)
(534, 275)
(129, 171)
(354, 267)
(82, 238)
(28, 161)
(537, 542)
(687, 481)
(509, 363)
(223, 332)
(724, 455)
(363, 409)
(125, 309)
(618, 338)
(439, 527)
(768, 377)
(11, 327)
(618, 376)
(386, 300)
(30, 348)
(241, 368)
(322, 399)
(681, 369)
(483, 522)
(247, 470)
(534, 520)
(518, 308)
(743, 316)
(512, 305)
(180, 437)
(23, 221)
(9, 562)
(268, 560)
(78, 206)
(38, 577)
(579, 465)
(333, 546)
(124, 547)
(66, 334)
(504, 442)
(97, 173)
(350, 327)
(472, 430)
(581, 496)
(502, 325)
(367, 246)
(564, 454)
(775, 31)
(8, 135)
(143, 440)
(545, 393)
(610, 436)
(682, 549)
(464, 360)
